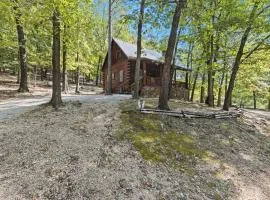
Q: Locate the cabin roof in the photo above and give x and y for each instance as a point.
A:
(130, 50)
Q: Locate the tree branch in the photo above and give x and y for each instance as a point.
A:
(265, 8)
(255, 49)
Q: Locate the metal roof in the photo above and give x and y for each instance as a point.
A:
(130, 51)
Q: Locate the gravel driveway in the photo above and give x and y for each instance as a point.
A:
(12, 108)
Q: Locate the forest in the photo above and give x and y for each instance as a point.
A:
(135, 99)
(225, 43)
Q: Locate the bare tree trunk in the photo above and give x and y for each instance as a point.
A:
(194, 85)
(164, 91)
(98, 67)
(22, 50)
(35, 76)
(41, 73)
(268, 107)
(64, 75)
(56, 100)
(189, 66)
(226, 88)
(77, 77)
(77, 81)
(173, 70)
(190, 74)
(220, 90)
(109, 76)
(139, 49)
(238, 57)
(224, 71)
(254, 100)
(210, 88)
(202, 88)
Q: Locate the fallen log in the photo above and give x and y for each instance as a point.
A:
(193, 114)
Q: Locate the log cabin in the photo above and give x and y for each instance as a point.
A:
(152, 62)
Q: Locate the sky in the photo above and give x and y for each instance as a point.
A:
(157, 24)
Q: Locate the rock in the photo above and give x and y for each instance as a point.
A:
(129, 190)
(2, 157)
(123, 183)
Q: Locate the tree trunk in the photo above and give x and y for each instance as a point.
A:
(220, 88)
(97, 73)
(109, 75)
(189, 66)
(210, 88)
(190, 78)
(41, 74)
(56, 100)
(268, 107)
(35, 76)
(164, 90)
(254, 100)
(22, 50)
(173, 69)
(64, 74)
(194, 86)
(238, 58)
(202, 89)
(77, 81)
(219, 96)
(139, 49)
(18, 76)
(77, 76)
(46, 74)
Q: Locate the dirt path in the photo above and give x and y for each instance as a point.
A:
(12, 108)
(258, 119)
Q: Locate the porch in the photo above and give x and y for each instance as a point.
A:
(151, 74)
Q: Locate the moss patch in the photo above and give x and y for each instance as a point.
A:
(156, 140)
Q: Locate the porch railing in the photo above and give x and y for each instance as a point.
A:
(153, 81)
(156, 81)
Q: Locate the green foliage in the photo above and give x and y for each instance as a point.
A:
(84, 31)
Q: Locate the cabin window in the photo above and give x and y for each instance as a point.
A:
(121, 76)
(113, 76)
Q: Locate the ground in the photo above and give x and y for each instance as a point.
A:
(102, 148)
(9, 87)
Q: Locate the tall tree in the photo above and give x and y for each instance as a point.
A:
(98, 67)
(164, 90)
(56, 100)
(109, 75)
(173, 70)
(239, 55)
(139, 50)
(194, 84)
(64, 60)
(22, 49)
(202, 95)
(77, 77)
